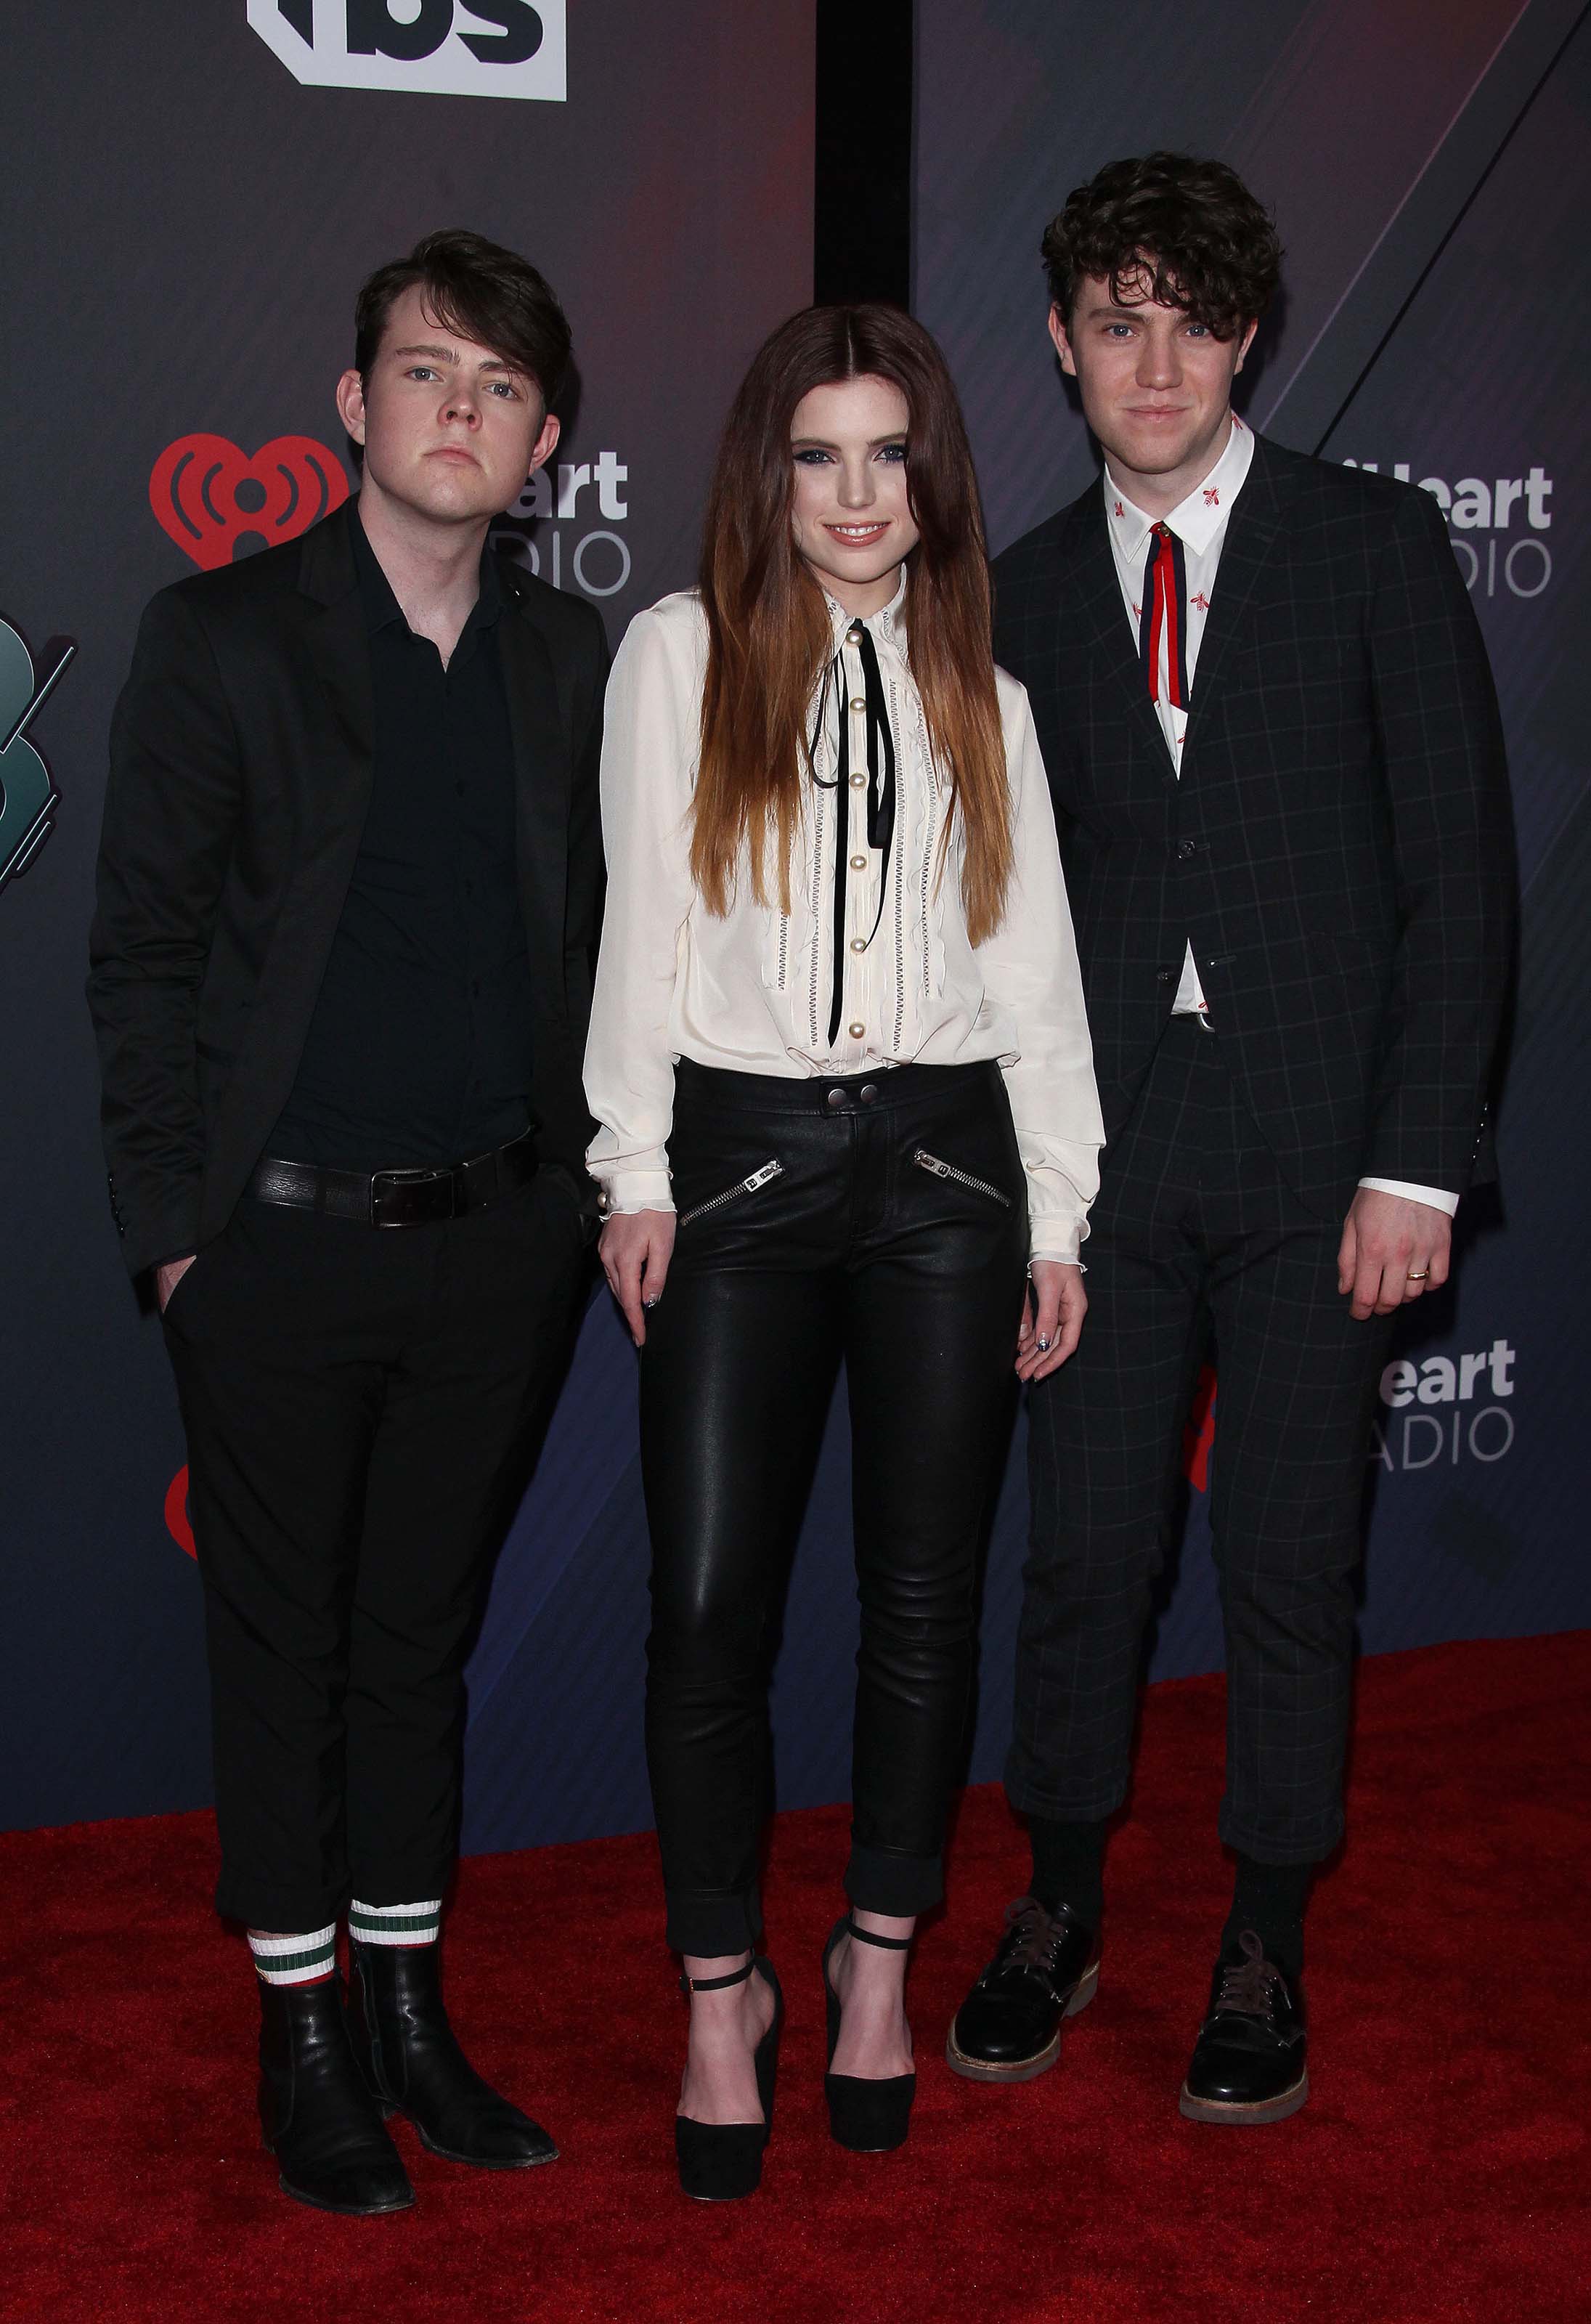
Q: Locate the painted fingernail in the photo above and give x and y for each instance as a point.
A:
(652, 1302)
(1043, 1343)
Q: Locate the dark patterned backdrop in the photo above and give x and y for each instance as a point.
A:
(198, 217)
(191, 218)
(1429, 163)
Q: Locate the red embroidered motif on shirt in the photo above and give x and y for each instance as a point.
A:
(1119, 509)
(1212, 499)
(1137, 612)
(1201, 601)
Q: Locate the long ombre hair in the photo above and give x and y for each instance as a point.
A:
(768, 632)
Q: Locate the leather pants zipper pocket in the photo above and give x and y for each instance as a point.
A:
(927, 1161)
(732, 1193)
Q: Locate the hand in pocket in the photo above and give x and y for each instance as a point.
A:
(168, 1275)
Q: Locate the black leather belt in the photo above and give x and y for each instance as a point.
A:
(398, 1198)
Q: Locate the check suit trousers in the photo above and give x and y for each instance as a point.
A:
(1198, 1246)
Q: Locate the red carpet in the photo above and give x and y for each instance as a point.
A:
(1441, 2171)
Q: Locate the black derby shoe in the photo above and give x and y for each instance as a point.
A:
(1249, 2060)
(319, 2120)
(1045, 1968)
(413, 2063)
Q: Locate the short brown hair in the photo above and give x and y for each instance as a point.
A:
(478, 288)
(1183, 232)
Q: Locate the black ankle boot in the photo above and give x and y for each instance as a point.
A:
(318, 2117)
(414, 2066)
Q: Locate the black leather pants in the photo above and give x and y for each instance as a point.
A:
(883, 1220)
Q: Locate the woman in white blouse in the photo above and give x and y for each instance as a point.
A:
(841, 1071)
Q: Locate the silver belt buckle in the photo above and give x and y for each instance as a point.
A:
(386, 1182)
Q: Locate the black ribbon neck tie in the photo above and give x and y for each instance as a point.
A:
(881, 761)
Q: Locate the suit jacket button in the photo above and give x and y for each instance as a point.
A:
(1162, 976)
(1186, 847)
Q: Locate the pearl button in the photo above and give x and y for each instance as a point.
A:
(858, 863)
(855, 633)
(859, 704)
(856, 1031)
(858, 782)
(859, 944)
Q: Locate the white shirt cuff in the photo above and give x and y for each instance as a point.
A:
(1060, 1239)
(1436, 1196)
(635, 1190)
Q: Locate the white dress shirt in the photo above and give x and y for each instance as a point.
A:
(751, 991)
(1199, 523)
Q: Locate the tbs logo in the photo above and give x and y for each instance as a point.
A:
(442, 47)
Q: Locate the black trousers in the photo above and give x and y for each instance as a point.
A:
(358, 1402)
(809, 1228)
(1196, 1235)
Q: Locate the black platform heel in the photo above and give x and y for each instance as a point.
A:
(719, 2161)
(870, 2118)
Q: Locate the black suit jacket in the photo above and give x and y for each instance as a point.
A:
(241, 765)
(1339, 846)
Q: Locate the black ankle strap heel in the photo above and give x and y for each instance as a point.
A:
(689, 1985)
(868, 2118)
(719, 2161)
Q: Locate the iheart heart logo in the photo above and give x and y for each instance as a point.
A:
(177, 1518)
(1199, 1431)
(217, 504)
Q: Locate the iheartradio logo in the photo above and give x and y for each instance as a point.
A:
(217, 504)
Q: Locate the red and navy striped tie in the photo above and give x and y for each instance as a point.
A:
(1166, 615)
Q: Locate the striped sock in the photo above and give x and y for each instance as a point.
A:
(395, 1925)
(295, 1960)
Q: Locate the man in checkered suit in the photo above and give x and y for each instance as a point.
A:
(1273, 746)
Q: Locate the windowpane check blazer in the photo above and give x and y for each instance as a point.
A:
(1339, 849)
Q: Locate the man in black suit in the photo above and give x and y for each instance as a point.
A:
(1274, 752)
(349, 890)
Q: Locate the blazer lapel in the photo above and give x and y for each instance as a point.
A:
(340, 719)
(542, 777)
(332, 743)
(1246, 553)
(1103, 619)
(338, 709)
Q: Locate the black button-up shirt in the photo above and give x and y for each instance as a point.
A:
(420, 1049)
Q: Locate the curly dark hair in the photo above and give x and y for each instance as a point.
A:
(478, 288)
(1189, 229)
